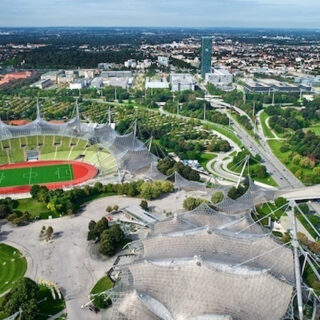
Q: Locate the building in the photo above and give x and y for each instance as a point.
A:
(206, 53)
(79, 84)
(41, 84)
(182, 81)
(163, 61)
(130, 64)
(97, 83)
(116, 74)
(105, 66)
(52, 75)
(271, 85)
(157, 84)
(220, 78)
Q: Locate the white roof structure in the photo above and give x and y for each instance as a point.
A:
(130, 153)
(185, 271)
(192, 288)
(204, 216)
(220, 245)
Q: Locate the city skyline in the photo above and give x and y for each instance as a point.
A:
(178, 13)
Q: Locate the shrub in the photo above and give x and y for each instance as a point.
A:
(217, 197)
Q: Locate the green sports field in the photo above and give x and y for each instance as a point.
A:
(35, 175)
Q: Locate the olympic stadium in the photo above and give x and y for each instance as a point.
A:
(67, 153)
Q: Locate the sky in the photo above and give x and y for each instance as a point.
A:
(161, 13)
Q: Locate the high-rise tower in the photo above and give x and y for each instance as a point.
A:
(206, 52)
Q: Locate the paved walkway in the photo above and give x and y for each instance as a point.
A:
(69, 259)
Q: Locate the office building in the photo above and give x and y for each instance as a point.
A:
(206, 53)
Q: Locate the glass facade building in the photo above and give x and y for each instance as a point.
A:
(206, 53)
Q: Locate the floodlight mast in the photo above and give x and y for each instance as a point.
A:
(295, 245)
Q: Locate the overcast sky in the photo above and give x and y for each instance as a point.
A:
(193, 13)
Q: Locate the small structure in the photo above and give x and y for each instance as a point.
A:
(140, 214)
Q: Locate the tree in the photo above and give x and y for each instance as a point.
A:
(302, 238)
(217, 197)
(144, 205)
(5, 210)
(34, 191)
(109, 209)
(115, 207)
(49, 232)
(314, 247)
(261, 172)
(91, 225)
(22, 295)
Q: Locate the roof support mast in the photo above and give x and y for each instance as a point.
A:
(295, 245)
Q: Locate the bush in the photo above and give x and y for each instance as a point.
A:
(110, 240)
(217, 197)
(314, 247)
(144, 205)
(192, 203)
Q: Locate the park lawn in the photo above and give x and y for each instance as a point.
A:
(35, 208)
(205, 158)
(286, 159)
(267, 180)
(315, 221)
(266, 130)
(224, 131)
(13, 266)
(315, 129)
(48, 307)
(103, 284)
(35, 175)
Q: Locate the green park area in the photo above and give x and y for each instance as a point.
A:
(13, 266)
(266, 130)
(102, 285)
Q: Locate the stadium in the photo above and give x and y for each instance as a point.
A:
(65, 154)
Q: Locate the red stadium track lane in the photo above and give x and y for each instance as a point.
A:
(82, 172)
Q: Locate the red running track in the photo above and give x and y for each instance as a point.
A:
(82, 172)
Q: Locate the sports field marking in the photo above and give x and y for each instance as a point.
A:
(30, 173)
(1, 177)
(36, 175)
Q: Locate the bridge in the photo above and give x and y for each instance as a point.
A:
(303, 193)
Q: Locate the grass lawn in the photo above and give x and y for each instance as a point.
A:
(205, 158)
(35, 175)
(224, 131)
(286, 159)
(315, 220)
(103, 284)
(266, 131)
(48, 306)
(267, 180)
(315, 129)
(35, 208)
(13, 266)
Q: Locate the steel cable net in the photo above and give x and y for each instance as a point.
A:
(183, 270)
(253, 196)
(202, 216)
(129, 152)
(153, 173)
(181, 183)
(220, 245)
(190, 287)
